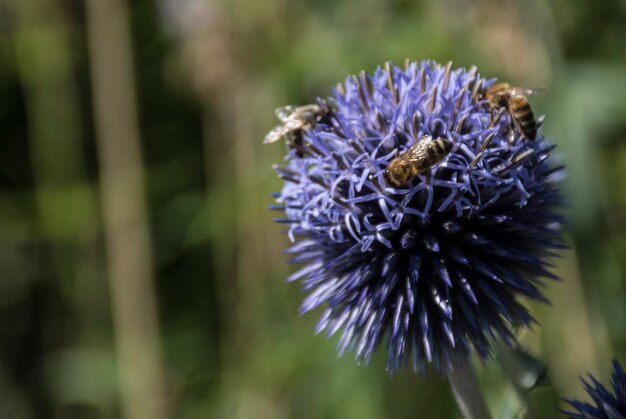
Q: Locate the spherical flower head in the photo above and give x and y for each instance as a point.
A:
(430, 267)
(606, 405)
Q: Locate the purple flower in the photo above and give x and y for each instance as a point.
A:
(606, 405)
(431, 269)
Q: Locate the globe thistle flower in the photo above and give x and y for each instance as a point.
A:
(607, 405)
(433, 268)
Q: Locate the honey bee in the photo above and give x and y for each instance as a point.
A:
(420, 157)
(294, 120)
(515, 101)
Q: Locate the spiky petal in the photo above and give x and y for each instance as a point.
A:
(606, 404)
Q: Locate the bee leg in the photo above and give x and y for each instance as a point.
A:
(513, 128)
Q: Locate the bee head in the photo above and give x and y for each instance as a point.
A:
(399, 172)
(496, 94)
(499, 87)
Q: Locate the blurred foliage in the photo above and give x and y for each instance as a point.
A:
(208, 76)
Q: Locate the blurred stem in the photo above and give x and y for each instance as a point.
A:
(129, 258)
(223, 247)
(466, 390)
(45, 58)
(578, 334)
(512, 369)
(531, 380)
(43, 35)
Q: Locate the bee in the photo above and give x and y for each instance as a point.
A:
(420, 157)
(515, 101)
(294, 120)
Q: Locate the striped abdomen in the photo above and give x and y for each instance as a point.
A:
(523, 114)
(432, 152)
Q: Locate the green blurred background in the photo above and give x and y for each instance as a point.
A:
(141, 273)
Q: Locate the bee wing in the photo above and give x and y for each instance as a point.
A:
(275, 134)
(417, 152)
(281, 130)
(284, 112)
(526, 91)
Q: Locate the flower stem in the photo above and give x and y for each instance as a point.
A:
(466, 390)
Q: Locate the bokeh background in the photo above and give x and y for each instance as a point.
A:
(141, 275)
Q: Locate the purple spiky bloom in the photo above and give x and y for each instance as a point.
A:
(607, 405)
(433, 268)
